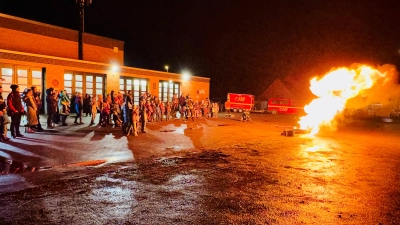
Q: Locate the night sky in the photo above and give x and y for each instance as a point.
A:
(243, 45)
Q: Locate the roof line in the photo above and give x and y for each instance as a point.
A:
(49, 25)
(90, 62)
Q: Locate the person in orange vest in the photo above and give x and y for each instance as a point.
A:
(228, 107)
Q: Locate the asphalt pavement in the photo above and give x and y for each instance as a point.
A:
(207, 171)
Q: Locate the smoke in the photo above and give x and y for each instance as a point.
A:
(385, 91)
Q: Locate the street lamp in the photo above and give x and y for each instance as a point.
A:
(166, 67)
(186, 75)
(114, 69)
(82, 4)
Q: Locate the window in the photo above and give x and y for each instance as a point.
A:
(22, 79)
(79, 83)
(138, 86)
(25, 77)
(37, 78)
(122, 85)
(99, 85)
(284, 102)
(6, 74)
(92, 84)
(167, 90)
(89, 85)
(68, 82)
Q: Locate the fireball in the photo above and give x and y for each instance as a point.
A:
(333, 91)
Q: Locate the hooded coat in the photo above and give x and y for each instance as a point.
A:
(51, 102)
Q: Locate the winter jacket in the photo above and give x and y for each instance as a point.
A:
(14, 103)
(51, 102)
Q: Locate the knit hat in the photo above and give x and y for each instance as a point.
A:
(14, 86)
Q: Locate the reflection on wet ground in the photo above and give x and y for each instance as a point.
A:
(319, 156)
(9, 166)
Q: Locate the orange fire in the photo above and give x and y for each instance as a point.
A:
(333, 90)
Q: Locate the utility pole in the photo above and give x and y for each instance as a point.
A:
(82, 5)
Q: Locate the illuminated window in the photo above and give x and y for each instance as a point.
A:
(24, 77)
(6, 74)
(92, 84)
(136, 85)
(167, 90)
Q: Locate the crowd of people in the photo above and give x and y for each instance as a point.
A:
(115, 109)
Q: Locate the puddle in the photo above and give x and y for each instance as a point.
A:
(88, 163)
(8, 166)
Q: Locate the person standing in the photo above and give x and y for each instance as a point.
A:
(56, 117)
(38, 102)
(51, 102)
(31, 110)
(129, 98)
(208, 107)
(3, 118)
(182, 105)
(175, 105)
(149, 110)
(143, 115)
(228, 107)
(100, 106)
(190, 107)
(168, 109)
(78, 108)
(64, 106)
(129, 104)
(105, 114)
(15, 110)
(93, 105)
(162, 110)
(135, 119)
(86, 105)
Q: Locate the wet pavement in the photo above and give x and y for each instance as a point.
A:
(210, 171)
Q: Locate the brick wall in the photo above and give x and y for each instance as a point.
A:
(28, 36)
(38, 44)
(32, 43)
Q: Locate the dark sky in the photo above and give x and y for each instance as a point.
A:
(242, 45)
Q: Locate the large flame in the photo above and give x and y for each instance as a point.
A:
(333, 91)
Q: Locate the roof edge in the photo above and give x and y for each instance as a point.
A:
(51, 26)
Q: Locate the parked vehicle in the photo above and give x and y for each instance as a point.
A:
(283, 106)
(241, 102)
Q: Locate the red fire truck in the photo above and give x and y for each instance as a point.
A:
(241, 102)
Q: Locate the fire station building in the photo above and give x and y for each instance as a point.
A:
(43, 55)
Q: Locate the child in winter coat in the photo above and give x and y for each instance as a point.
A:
(93, 108)
(162, 110)
(105, 114)
(196, 109)
(135, 119)
(149, 111)
(169, 108)
(158, 111)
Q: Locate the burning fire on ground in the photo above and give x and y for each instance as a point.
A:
(335, 89)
